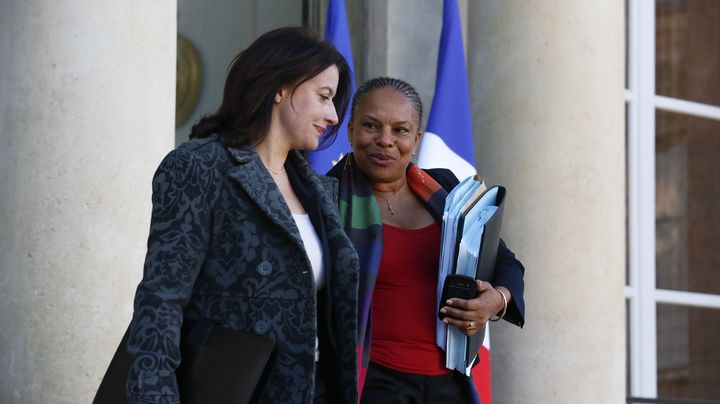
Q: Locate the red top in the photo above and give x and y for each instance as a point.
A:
(403, 308)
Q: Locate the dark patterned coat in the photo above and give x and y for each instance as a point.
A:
(223, 245)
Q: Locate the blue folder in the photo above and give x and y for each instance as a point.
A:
(472, 222)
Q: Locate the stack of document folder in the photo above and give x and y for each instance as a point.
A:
(470, 239)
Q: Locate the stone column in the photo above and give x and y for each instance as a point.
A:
(547, 97)
(401, 39)
(87, 96)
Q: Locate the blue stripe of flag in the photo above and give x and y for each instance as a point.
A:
(450, 116)
(337, 33)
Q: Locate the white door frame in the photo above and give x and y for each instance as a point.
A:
(641, 292)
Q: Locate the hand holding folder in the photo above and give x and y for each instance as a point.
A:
(470, 237)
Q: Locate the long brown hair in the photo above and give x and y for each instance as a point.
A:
(282, 57)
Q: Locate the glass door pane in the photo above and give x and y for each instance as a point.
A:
(687, 47)
(687, 175)
(688, 352)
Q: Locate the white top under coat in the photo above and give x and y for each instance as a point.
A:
(313, 247)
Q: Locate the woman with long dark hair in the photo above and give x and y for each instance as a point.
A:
(246, 234)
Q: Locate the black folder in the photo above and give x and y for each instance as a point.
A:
(486, 263)
(219, 365)
(489, 243)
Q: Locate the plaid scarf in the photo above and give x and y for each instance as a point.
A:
(362, 222)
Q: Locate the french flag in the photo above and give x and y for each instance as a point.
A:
(337, 33)
(448, 140)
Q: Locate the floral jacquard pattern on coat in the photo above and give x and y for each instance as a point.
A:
(223, 246)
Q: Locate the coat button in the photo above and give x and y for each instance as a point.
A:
(264, 268)
(261, 327)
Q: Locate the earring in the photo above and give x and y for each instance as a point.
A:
(347, 161)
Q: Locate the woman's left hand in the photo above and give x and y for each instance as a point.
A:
(470, 315)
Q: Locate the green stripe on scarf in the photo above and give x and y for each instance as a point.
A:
(366, 216)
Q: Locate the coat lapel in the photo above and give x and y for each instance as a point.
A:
(319, 184)
(319, 198)
(251, 176)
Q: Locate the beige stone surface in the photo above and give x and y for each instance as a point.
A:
(86, 114)
(547, 99)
